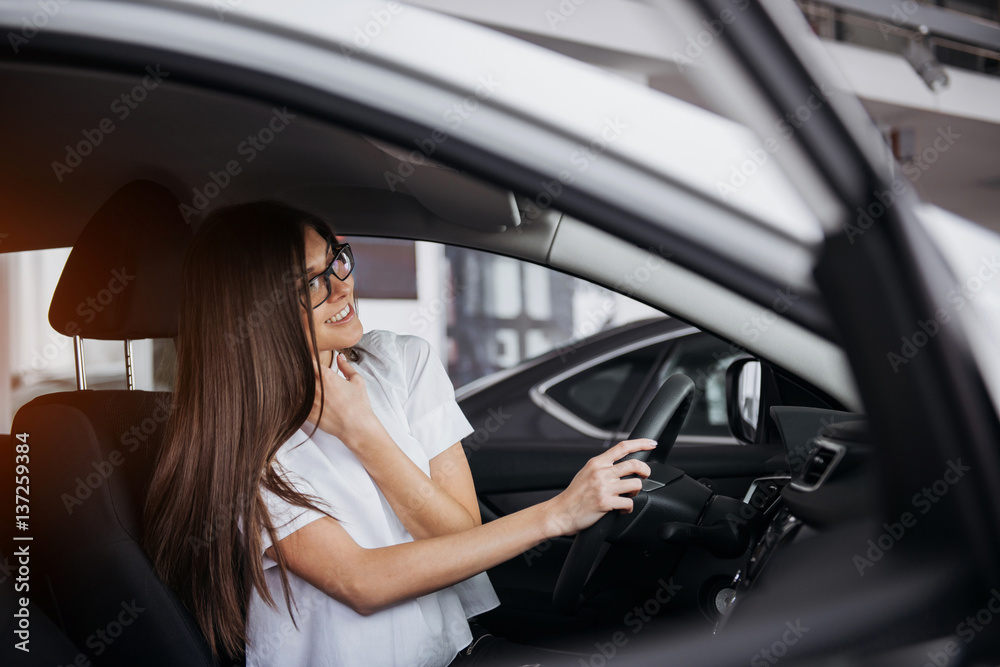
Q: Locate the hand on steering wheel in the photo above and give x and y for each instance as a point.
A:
(607, 482)
(662, 422)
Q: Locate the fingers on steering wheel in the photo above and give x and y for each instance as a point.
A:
(632, 467)
(626, 447)
(624, 490)
(628, 486)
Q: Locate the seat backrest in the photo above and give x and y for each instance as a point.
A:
(48, 645)
(93, 452)
(92, 455)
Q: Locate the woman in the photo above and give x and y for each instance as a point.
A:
(307, 459)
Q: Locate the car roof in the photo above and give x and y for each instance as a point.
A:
(687, 147)
(198, 118)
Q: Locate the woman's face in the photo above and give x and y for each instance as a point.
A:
(337, 325)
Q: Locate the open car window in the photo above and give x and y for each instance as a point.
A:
(483, 312)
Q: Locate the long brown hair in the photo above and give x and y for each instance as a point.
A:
(245, 383)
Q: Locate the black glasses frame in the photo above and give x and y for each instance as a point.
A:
(339, 250)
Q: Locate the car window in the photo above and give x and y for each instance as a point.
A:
(481, 311)
(704, 359)
(602, 394)
(41, 360)
(606, 396)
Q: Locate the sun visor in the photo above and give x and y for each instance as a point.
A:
(447, 193)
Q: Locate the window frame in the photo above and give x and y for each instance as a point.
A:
(539, 392)
(648, 391)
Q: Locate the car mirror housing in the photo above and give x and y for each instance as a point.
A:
(743, 399)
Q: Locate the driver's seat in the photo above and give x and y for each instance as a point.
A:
(92, 452)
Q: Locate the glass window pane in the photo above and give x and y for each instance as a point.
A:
(602, 395)
(704, 359)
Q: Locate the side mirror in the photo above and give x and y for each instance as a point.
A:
(743, 404)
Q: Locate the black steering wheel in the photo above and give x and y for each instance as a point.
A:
(661, 421)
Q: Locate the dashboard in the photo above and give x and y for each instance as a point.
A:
(830, 480)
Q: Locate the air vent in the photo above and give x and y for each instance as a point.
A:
(819, 465)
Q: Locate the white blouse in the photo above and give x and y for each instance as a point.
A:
(412, 396)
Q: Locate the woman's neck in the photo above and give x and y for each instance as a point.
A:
(326, 358)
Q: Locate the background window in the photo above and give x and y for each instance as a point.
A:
(603, 394)
(704, 359)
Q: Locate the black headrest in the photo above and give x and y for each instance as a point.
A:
(122, 278)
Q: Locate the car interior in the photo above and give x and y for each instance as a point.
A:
(711, 520)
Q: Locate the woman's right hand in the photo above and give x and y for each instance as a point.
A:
(345, 410)
(599, 488)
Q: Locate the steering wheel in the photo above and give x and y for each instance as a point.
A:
(661, 421)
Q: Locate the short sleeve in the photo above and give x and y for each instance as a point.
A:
(285, 517)
(433, 414)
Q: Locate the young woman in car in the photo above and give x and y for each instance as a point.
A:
(310, 461)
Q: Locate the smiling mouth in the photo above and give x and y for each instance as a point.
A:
(340, 316)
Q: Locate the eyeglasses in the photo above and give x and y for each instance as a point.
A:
(341, 267)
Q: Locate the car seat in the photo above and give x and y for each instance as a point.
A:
(93, 452)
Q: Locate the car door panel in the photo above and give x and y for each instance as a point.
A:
(523, 471)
